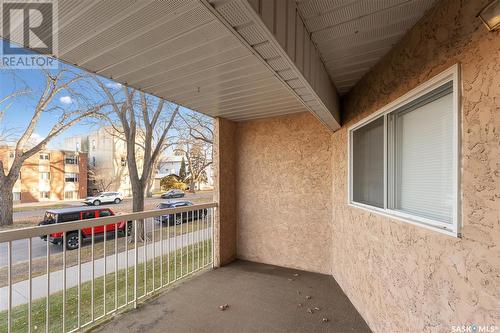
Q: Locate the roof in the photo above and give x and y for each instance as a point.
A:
(74, 209)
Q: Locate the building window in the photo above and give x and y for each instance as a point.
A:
(69, 195)
(77, 146)
(93, 145)
(123, 161)
(93, 160)
(44, 156)
(403, 160)
(71, 160)
(16, 196)
(44, 175)
(44, 195)
(70, 177)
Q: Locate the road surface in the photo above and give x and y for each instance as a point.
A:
(39, 246)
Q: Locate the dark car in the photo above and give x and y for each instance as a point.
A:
(172, 194)
(80, 213)
(179, 218)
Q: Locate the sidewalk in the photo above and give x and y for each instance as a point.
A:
(20, 290)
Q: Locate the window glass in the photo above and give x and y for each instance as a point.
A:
(423, 159)
(88, 215)
(104, 213)
(368, 163)
(67, 217)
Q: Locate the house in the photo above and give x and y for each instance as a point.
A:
(49, 175)
(356, 158)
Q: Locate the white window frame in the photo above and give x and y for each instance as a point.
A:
(452, 74)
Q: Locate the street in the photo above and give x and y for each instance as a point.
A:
(39, 246)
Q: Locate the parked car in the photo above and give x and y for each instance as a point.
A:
(104, 197)
(81, 213)
(174, 193)
(178, 218)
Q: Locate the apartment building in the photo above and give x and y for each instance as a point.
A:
(107, 160)
(49, 175)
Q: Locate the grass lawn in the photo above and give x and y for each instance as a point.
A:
(39, 265)
(191, 256)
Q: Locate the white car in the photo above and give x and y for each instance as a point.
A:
(104, 197)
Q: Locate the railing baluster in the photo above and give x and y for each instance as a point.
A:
(145, 250)
(116, 266)
(175, 247)
(64, 284)
(30, 287)
(104, 276)
(79, 276)
(161, 252)
(136, 251)
(9, 282)
(93, 276)
(154, 252)
(168, 251)
(47, 300)
(192, 240)
(211, 232)
(182, 243)
(126, 261)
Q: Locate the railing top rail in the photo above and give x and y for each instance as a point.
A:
(37, 231)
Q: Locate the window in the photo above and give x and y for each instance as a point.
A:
(71, 160)
(44, 156)
(404, 159)
(44, 195)
(88, 215)
(93, 161)
(93, 145)
(123, 161)
(69, 195)
(44, 175)
(16, 196)
(105, 213)
(70, 177)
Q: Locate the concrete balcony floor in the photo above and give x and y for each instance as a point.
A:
(261, 298)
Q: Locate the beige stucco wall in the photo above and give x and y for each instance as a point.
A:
(225, 157)
(404, 278)
(284, 192)
(291, 190)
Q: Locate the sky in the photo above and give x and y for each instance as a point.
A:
(20, 110)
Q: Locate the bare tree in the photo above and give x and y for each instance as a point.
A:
(195, 142)
(145, 122)
(23, 144)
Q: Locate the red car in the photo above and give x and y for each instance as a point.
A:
(81, 213)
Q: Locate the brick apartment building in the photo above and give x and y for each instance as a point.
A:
(49, 175)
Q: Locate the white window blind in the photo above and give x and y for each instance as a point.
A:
(423, 159)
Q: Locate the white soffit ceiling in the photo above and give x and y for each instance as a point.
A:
(353, 35)
(176, 49)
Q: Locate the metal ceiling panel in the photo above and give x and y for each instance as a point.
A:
(353, 35)
(232, 58)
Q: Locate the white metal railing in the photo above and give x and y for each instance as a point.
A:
(67, 291)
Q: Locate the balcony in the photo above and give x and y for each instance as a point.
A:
(260, 298)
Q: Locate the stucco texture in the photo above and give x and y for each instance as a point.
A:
(225, 157)
(284, 192)
(400, 277)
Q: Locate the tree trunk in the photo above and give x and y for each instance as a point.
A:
(192, 186)
(149, 187)
(6, 205)
(138, 206)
